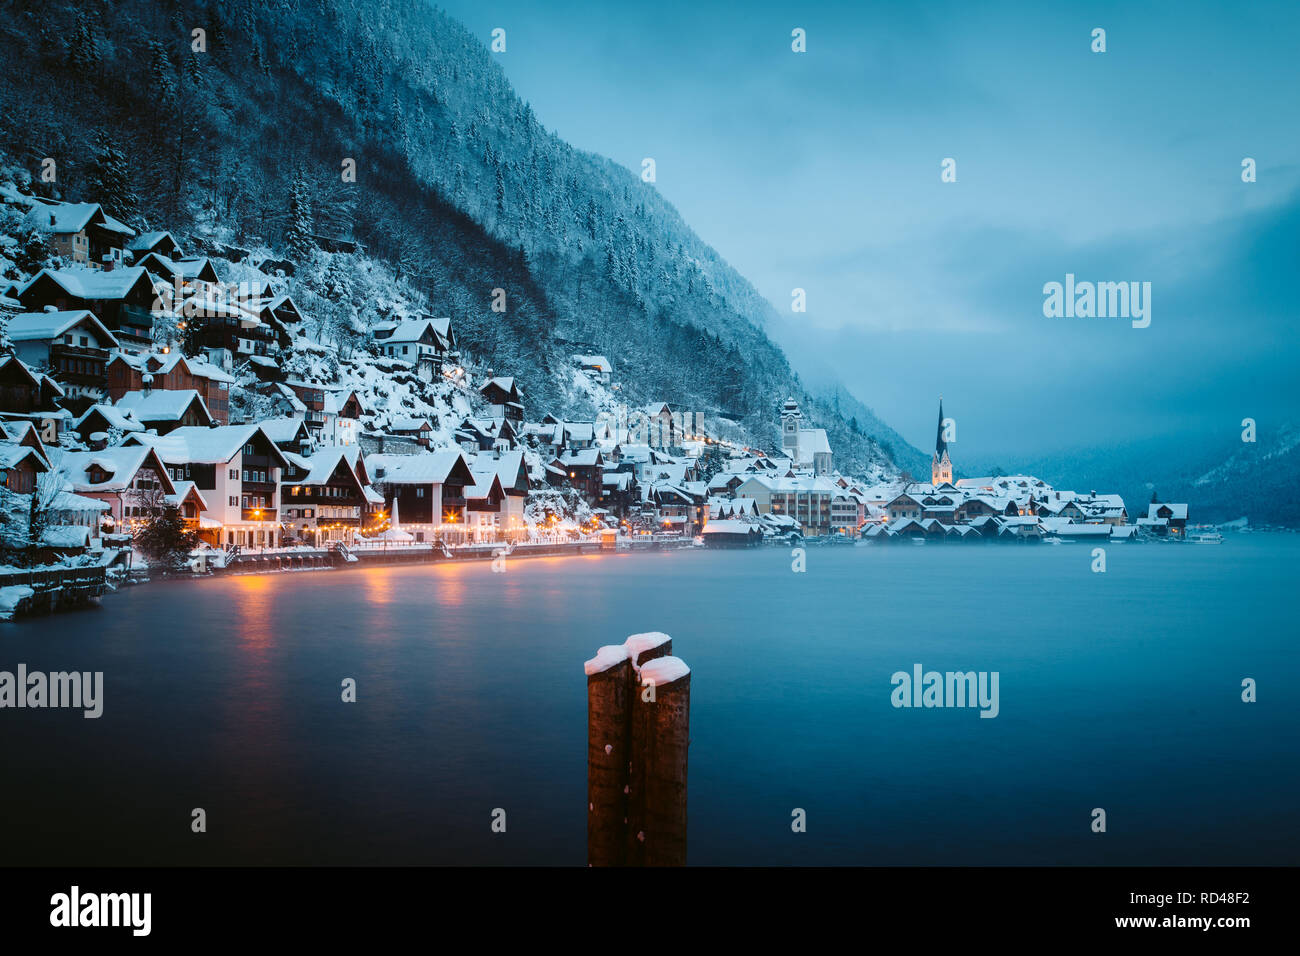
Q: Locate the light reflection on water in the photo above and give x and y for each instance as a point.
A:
(1118, 690)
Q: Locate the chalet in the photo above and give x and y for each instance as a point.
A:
(100, 421)
(19, 466)
(597, 366)
(81, 233)
(418, 429)
(29, 395)
(187, 277)
(131, 480)
(191, 505)
(583, 469)
(847, 512)
(237, 468)
(326, 497)
(343, 411)
(415, 339)
(658, 426)
(123, 299)
(24, 433)
(282, 314)
(289, 433)
(225, 324)
(165, 411)
(678, 510)
(1167, 518)
(73, 345)
(503, 395)
(163, 243)
(483, 504)
(903, 506)
(486, 434)
(619, 493)
(512, 476)
(424, 494)
(172, 372)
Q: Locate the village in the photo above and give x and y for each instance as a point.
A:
(150, 415)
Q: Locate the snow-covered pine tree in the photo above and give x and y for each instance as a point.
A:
(298, 237)
(108, 179)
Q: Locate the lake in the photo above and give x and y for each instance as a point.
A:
(1119, 690)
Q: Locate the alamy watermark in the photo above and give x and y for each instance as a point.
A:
(36, 689)
(946, 689)
(1100, 300)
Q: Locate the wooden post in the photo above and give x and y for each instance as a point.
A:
(661, 710)
(609, 711)
(648, 646)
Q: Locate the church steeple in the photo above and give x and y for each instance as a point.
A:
(940, 446)
(940, 464)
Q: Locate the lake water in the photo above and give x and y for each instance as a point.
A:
(1119, 690)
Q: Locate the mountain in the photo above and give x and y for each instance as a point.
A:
(1221, 479)
(243, 134)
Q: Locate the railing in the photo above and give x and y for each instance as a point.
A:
(53, 579)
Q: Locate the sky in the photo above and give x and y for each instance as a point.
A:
(822, 171)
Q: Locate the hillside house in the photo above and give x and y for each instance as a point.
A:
(123, 299)
(81, 233)
(73, 345)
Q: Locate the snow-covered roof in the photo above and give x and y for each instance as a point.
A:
(412, 330)
(1178, 512)
(429, 468)
(69, 217)
(410, 425)
(119, 418)
(37, 326)
(146, 241)
(161, 405)
(195, 444)
(69, 502)
(282, 429)
(730, 526)
(580, 457)
(120, 464)
(84, 283)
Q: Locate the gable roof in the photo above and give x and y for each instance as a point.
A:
(93, 284)
(37, 326)
(162, 405)
(195, 444)
(429, 468)
(121, 464)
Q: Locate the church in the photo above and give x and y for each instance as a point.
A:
(807, 448)
(940, 464)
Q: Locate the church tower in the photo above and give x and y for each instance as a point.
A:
(940, 464)
(791, 421)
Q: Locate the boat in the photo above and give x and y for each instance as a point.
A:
(918, 541)
(1051, 539)
(1205, 537)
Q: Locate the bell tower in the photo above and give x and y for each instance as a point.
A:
(940, 464)
(791, 420)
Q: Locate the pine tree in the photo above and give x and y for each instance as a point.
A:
(298, 238)
(108, 179)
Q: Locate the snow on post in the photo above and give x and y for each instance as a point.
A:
(648, 646)
(661, 712)
(609, 714)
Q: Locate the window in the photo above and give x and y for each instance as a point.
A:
(233, 501)
(419, 492)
